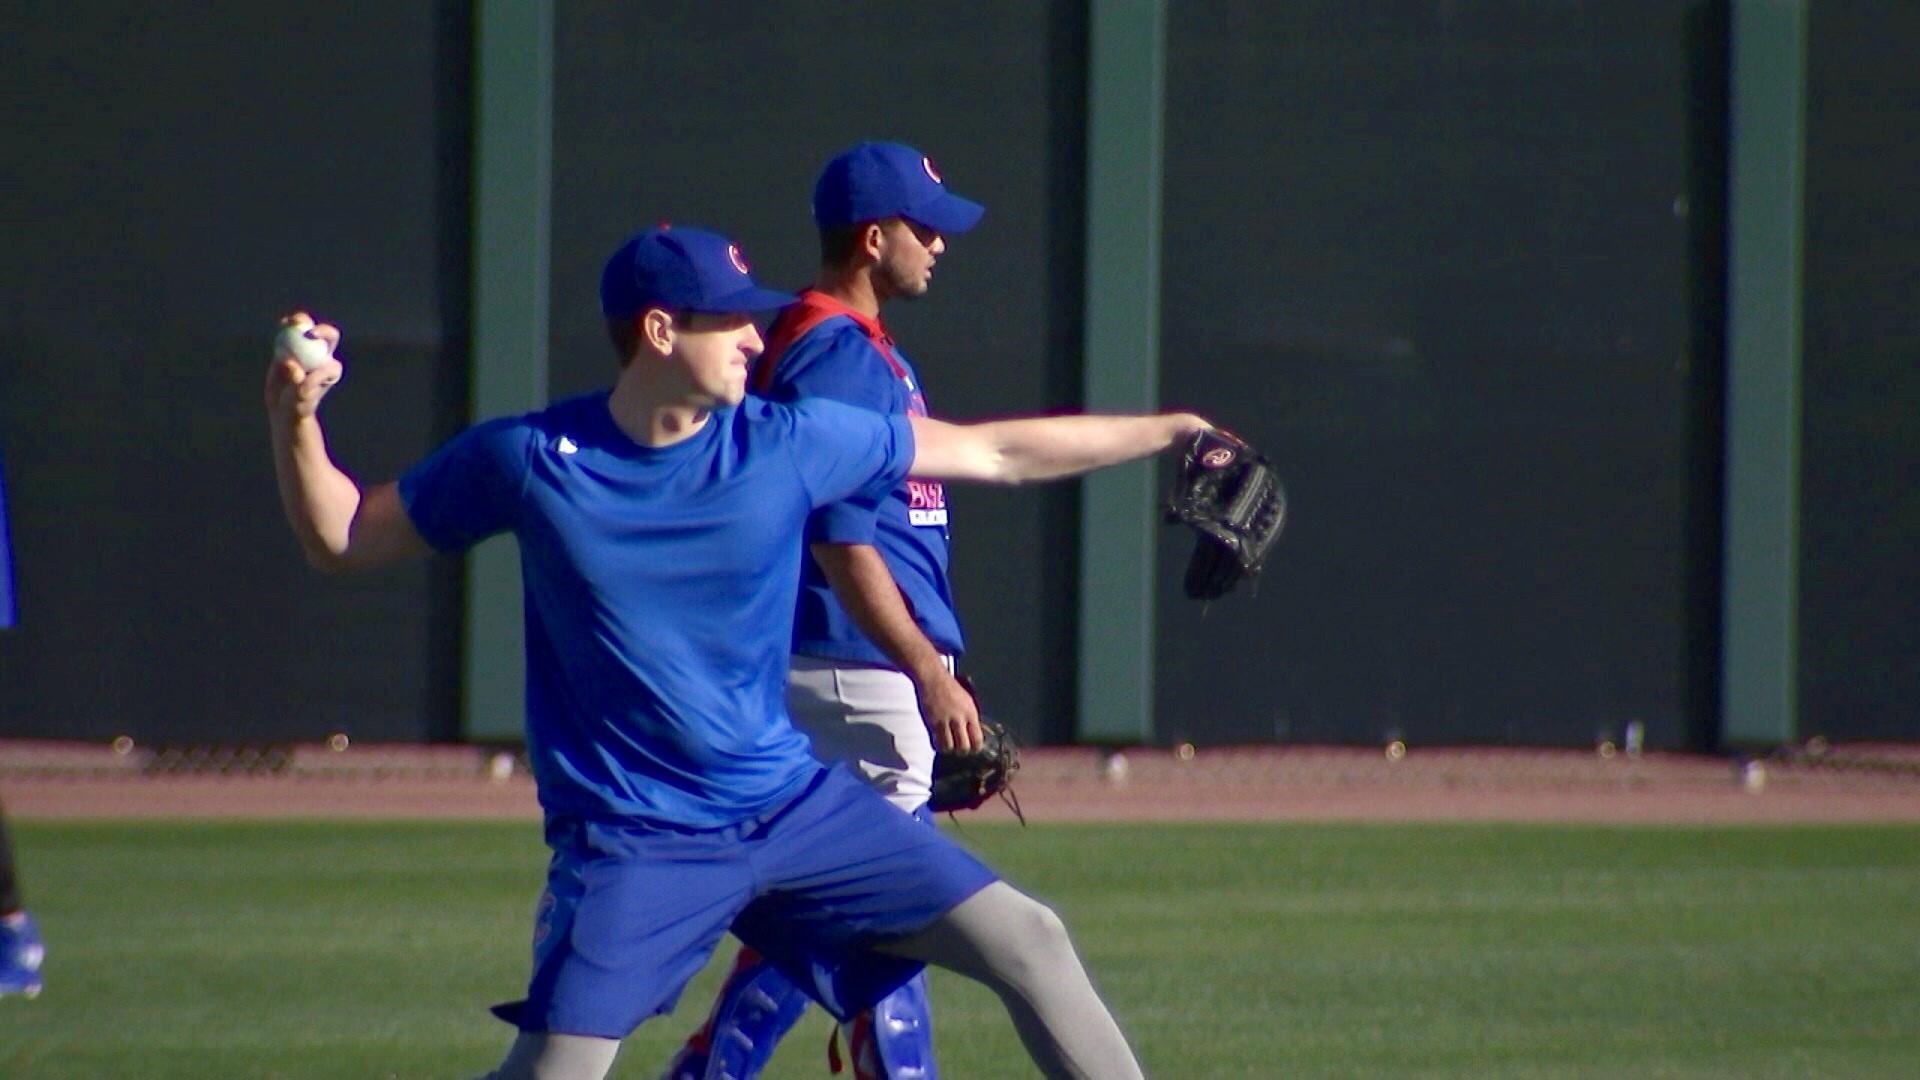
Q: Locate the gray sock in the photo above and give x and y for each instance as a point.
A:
(538, 1055)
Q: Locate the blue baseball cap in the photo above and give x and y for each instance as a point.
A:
(878, 180)
(682, 270)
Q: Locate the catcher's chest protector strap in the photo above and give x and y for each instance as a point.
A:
(795, 321)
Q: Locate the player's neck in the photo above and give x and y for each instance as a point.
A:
(649, 419)
(852, 287)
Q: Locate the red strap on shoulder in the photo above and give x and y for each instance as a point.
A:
(793, 322)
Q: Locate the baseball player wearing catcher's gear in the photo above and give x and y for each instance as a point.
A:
(876, 636)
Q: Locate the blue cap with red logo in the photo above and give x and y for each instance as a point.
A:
(682, 270)
(878, 180)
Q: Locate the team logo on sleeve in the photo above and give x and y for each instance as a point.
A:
(739, 261)
(926, 502)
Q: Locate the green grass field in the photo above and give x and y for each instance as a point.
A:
(213, 951)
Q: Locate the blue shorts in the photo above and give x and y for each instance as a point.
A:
(631, 914)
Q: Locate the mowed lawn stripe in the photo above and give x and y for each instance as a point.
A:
(356, 949)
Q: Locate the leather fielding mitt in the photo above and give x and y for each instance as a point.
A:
(964, 779)
(1231, 496)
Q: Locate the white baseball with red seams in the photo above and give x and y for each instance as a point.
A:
(297, 339)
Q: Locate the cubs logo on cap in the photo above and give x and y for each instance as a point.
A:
(875, 181)
(682, 270)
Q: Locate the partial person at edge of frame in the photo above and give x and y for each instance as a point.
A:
(21, 950)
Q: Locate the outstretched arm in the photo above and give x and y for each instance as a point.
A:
(339, 527)
(865, 586)
(1038, 448)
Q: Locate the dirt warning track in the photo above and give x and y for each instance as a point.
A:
(64, 781)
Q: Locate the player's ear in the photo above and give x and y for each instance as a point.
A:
(656, 327)
(873, 237)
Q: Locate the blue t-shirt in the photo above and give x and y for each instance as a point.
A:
(837, 359)
(659, 588)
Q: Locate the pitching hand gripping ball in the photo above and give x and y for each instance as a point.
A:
(297, 339)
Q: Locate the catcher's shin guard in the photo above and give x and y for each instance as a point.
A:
(756, 1007)
(894, 1039)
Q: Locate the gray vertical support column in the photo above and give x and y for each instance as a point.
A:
(1760, 639)
(1125, 103)
(513, 151)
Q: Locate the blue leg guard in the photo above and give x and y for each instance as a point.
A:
(900, 1026)
(756, 1007)
(894, 1041)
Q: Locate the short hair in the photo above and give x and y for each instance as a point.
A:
(840, 244)
(625, 335)
(625, 332)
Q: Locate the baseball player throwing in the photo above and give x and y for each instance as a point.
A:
(657, 522)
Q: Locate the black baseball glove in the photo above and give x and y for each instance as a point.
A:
(964, 779)
(1231, 495)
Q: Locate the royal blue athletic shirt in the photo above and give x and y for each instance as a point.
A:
(659, 590)
(840, 359)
